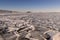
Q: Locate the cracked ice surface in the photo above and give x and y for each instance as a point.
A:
(31, 26)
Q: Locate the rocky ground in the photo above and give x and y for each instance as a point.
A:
(30, 26)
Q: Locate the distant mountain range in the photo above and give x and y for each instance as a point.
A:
(7, 11)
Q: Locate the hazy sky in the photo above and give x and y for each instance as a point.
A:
(31, 5)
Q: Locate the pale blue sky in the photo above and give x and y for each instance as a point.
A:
(32, 5)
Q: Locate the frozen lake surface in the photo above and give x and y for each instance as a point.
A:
(17, 26)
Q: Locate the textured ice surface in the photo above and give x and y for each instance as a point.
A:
(28, 26)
